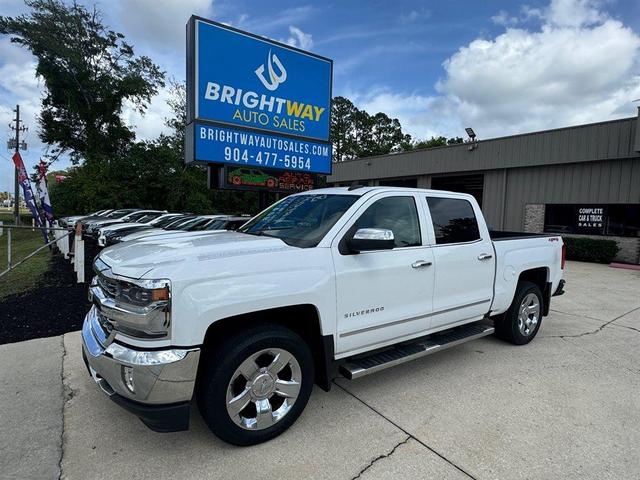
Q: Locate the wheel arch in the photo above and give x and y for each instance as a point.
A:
(540, 277)
(303, 319)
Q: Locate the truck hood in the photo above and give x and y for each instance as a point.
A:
(135, 259)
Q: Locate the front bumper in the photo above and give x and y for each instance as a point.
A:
(162, 380)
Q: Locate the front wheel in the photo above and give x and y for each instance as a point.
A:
(521, 322)
(255, 385)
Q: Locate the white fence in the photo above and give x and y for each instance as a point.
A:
(61, 240)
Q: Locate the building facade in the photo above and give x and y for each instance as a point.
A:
(577, 181)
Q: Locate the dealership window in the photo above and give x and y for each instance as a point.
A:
(453, 220)
(621, 220)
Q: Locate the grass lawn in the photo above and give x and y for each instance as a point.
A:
(23, 242)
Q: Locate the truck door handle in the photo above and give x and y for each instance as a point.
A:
(420, 263)
(485, 256)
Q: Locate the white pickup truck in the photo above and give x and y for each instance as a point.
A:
(334, 281)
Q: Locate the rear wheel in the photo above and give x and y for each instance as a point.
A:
(255, 385)
(521, 322)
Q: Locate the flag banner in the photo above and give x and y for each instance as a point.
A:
(43, 192)
(29, 199)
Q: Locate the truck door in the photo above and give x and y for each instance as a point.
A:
(385, 295)
(464, 261)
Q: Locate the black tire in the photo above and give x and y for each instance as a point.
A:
(507, 325)
(222, 363)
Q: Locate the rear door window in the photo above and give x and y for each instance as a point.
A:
(453, 220)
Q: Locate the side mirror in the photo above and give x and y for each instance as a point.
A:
(366, 239)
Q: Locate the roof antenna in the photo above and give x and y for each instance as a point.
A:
(355, 186)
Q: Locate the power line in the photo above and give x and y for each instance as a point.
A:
(15, 143)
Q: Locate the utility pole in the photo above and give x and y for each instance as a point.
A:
(16, 143)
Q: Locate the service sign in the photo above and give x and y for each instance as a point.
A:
(237, 78)
(267, 180)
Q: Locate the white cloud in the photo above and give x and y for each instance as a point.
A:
(18, 86)
(567, 71)
(503, 18)
(157, 23)
(422, 116)
(152, 123)
(574, 13)
(299, 39)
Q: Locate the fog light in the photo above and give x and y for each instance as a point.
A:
(127, 378)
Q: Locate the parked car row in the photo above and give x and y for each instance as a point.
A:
(109, 227)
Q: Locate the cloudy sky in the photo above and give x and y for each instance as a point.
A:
(501, 66)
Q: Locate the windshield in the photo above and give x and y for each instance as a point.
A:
(176, 223)
(119, 213)
(194, 224)
(147, 217)
(215, 225)
(163, 222)
(134, 216)
(301, 221)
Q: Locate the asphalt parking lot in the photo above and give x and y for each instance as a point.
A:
(565, 406)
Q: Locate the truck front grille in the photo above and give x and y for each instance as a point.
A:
(108, 286)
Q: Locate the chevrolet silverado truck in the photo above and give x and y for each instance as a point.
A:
(337, 281)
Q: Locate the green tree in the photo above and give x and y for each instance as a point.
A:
(89, 72)
(439, 141)
(148, 175)
(342, 117)
(386, 135)
(356, 133)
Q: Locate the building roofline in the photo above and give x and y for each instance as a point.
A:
(494, 139)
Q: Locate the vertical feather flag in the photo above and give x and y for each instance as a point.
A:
(29, 199)
(43, 192)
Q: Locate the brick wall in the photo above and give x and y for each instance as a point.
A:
(534, 217)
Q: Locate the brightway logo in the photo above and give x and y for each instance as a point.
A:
(274, 79)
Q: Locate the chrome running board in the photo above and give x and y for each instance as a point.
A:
(361, 365)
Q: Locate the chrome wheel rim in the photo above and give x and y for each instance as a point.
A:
(529, 314)
(263, 389)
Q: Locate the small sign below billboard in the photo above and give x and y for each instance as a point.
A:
(245, 178)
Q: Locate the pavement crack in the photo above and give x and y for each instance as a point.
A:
(599, 329)
(67, 394)
(603, 359)
(628, 327)
(409, 435)
(380, 457)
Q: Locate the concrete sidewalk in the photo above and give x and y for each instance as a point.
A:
(31, 409)
(565, 406)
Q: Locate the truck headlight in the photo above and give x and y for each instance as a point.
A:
(139, 308)
(143, 293)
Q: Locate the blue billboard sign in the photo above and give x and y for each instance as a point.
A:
(240, 147)
(239, 79)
